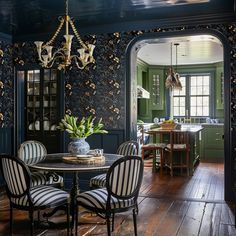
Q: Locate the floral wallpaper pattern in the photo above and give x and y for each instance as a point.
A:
(6, 85)
(99, 89)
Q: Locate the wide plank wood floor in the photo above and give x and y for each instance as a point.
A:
(178, 205)
(207, 183)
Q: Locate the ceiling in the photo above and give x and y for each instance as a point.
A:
(200, 49)
(26, 17)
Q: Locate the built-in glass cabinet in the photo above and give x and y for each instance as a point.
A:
(43, 106)
(41, 101)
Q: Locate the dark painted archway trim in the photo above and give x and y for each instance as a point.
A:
(131, 103)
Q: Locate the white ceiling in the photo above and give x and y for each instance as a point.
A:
(200, 49)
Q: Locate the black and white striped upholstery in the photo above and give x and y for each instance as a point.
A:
(129, 148)
(31, 152)
(22, 196)
(123, 182)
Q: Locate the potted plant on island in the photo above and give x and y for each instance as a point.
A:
(79, 130)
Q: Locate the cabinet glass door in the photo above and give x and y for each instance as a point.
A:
(49, 99)
(33, 100)
(41, 102)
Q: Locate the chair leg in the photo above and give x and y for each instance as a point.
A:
(68, 218)
(187, 164)
(161, 161)
(38, 218)
(31, 216)
(135, 222)
(171, 164)
(11, 220)
(76, 219)
(154, 162)
(108, 225)
(137, 210)
(113, 220)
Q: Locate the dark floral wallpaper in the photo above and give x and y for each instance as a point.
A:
(99, 89)
(6, 85)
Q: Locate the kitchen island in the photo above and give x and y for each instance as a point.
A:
(162, 135)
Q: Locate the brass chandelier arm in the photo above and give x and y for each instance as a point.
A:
(77, 60)
(77, 34)
(50, 62)
(50, 41)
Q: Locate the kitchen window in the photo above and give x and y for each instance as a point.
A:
(194, 98)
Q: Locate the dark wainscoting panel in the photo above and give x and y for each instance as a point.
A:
(6, 140)
(108, 142)
(6, 144)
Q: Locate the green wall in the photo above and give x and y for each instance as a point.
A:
(153, 107)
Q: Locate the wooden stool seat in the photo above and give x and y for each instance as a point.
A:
(178, 151)
(153, 147)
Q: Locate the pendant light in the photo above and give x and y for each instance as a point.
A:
(172, 80)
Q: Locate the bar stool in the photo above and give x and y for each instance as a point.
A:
(154, 148)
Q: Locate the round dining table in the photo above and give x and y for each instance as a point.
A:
(57, 162)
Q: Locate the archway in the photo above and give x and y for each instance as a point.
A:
(131, 101)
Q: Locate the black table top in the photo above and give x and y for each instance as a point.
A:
(55, 162)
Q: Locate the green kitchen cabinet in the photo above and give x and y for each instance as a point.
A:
(212, 143)
(144, 112)
(156, 82)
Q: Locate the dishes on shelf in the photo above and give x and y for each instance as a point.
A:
(53, 127)
(46, 125)
(37, 125)
(45, 103)
(156, 120)
(46, 90)
(30, 91)
(31, 126)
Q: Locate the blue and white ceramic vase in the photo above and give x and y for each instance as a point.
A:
(78, 147)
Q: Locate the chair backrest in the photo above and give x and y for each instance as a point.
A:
(124, 177)
(31, 152)
(180, 138)
(16, 176)
(128, 148)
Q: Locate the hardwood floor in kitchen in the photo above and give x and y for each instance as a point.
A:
(168, 205)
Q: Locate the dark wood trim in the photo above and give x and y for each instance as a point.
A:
(131, 129)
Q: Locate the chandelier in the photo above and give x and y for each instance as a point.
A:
(172, 80)
(62, 56)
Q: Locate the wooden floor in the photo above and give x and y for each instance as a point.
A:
(182, 206)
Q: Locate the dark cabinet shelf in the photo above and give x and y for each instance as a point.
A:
(43, 106)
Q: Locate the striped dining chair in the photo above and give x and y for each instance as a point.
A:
(123, 181)
(31, 152)
(23, 196)
(128, 148)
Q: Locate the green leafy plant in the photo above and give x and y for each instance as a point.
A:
(81, 128)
